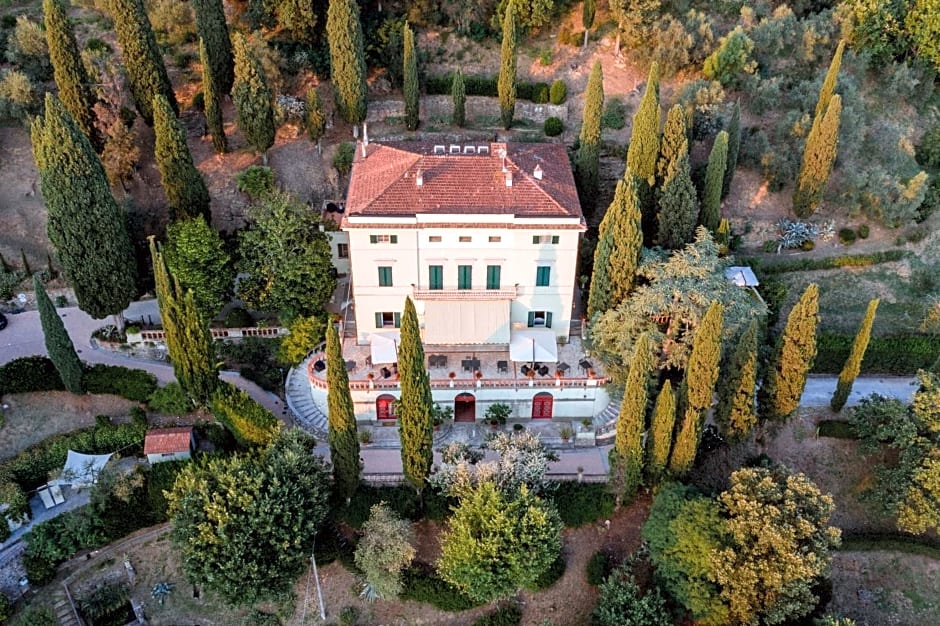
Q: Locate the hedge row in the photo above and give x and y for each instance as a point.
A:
(539, 93)
(807, 265)
(249, 422)
(37, 373)
(422, 584)
(29, 373)
(582, 503)
(869, 542)
(901, 355)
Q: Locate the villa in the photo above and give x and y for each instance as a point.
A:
(483, 237)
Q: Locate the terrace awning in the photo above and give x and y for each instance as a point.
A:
(384, 346)
(533, 345)
(82, 469)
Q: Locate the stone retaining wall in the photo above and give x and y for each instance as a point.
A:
(440, 108)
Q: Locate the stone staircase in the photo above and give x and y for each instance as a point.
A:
(62, 608)
(308, 409)
(605, 422)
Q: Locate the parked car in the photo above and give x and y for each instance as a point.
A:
(3, 321)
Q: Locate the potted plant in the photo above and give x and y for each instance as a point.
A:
(566, 433)
(587, 423)
(452, 376)
(440, 414)
(365, 437)
(518, 427)
(497, 414)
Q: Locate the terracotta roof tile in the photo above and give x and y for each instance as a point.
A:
(168, 440)
(383, 182)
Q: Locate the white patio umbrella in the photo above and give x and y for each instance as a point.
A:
(384, 346)
(533, 345)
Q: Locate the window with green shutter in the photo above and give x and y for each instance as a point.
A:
(387, 319)
(464, 276)
(543, 274)
(383, 238)
(540, 319)
(492, 276)
(385, 276)
(435, 277)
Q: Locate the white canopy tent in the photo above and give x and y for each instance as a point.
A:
(533, 345)
(81, 470)
(384, 346)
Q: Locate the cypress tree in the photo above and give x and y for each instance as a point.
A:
(587, 160)
(698, 388)
(659, 441)
(184, 186)
(188, 340)
(631, 422)
(506, 84)
(71, 78)
(620, 243)
(58, 343)
(314, 118)
(344, 445)
(347, 60)
(458, 92)
(85, 225)
(414, 407)
(674, 144)
(410, 74)
(735, 414)
(819, 154)
(643, 151)
(714, 178)
(828, 88)
(212, 29)
(146, 72)
(587, 18)
(793, 357)
(853, 364)
(254, 101)
(678, 207)
(734, 146)
(213, 102)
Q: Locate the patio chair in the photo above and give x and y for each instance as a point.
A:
(502, 366)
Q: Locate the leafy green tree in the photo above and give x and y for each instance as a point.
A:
(923, 27)
(286, 258)
(58, 343)
(620, 242)
(634, 20)
(314, 118)
(185, 189)
(587, 159)
(458, 93)
(414, 407)
(588, 9)
(213, 102)
(384, 550)
(305, 334)
(347, 60)
(734, 147)
(735, 413)
(627, 455)
(85, 224)
(819, 155)
(621, 603)
(410, 73)
(298, 19)
(245, 524)
(731, 58)
(792, 359)
(254, 101)
(212, 29)
(698, 388)
(714, 179)
(75, 89)
(344, 444)
(659, 440)
(188, 340)
(146, 73)
(506, 84)
(198, 260)
(497, 543)
(853, 365)
(878, 29)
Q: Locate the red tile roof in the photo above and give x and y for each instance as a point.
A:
(168, 440)
(383, 182)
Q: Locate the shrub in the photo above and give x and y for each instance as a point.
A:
(552, 575)
(128, 383)
(35, 615)
(928, 150)
(553, 126)
(421, 584)
(138, 416)
(558, 92)
(399, 498)
(846, 236)
(255, 181)
(837, 429)
(615, 114)
(305, 334)
(237, 317)
(255, 360)
(569, 37)
(931, 200)
(349, 616)
(98, 45)
(170, 399)
(343, 159)
(581, 503)
(506, 615)
(598, 568)
(808, 245)
(835, 262)
(863, 231)
(29, 373)
(249, 422)
(900, 355)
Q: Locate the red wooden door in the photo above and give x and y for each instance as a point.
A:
(542, 406)
(385, 407)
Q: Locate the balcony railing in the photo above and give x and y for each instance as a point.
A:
(506, 293)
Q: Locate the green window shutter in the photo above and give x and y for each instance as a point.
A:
(531, 319)
(385, 277)
(555, 239)
(536, 239)
(436, 277)
(373, 238)
(464, 276)
(492, 276)
(397, 319)
(378, 320)
(548, 319)
(394, 239)
(543, 275)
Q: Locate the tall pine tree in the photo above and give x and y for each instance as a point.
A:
(627, 455)
(458, 92)
(347, 60)
(71, 78)
(643, 151)
(674, 143)
(58, 343)
(678, 204)
(188, 340)
(819, 155)
(828, 88)
(344, 444)
(143, 63)
(735, 413)
(853, 365)
(506, 84)
(212, 29)
(213, 101)
(184, 186)
(659, 441)
(793, 357)
(414, 407)
(85, 225)
(410, 78)
(734, 147)
(714, 179)
(698, 388)
(587, 159)
(254, 101)
(621, 225)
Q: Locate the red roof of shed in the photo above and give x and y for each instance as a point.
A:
(168, 440)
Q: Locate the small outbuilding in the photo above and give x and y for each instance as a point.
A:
(169, 444)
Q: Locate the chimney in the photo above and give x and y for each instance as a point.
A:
(537, 172)
(508, 178)
(419, 178)
(365, 134)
